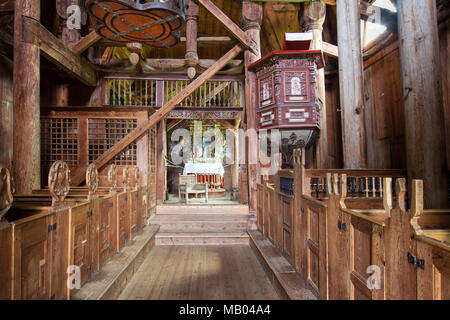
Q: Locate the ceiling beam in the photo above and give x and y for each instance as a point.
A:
(85, 43)
(54, 50)
(202, 42)
(243, 38)
(79, 175)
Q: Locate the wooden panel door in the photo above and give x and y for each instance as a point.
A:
(32, 254)
(433, 274)
(81, 240)
(286, 216)
(106, 229)
(338, 251)
(123, 223)
(316, 242)
(133, 198)
(6, 258)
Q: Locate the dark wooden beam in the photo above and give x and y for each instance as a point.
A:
(243, 38)
(6, 7)
(202, 42)
(85, 43)
(54, 50)
(79, 175)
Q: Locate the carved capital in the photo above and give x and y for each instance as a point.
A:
(92, 179)
(312, 15)
(59, 182)
(251, 15)
(192, 10)
(6, 197)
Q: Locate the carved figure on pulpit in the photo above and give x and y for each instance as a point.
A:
(296, 88)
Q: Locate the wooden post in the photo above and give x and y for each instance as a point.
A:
(251, 20)
(235, 166)
(27, 135)
(351, 83)
(422, 89)
(312, 21)
(161, 162)
(191, 38)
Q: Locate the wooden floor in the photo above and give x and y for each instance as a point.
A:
(200, 272)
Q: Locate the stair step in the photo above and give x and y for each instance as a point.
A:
(201, 223)
(201, 209)
(205, 238)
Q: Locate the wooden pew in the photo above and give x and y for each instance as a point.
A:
(53, 229)
(432, 258)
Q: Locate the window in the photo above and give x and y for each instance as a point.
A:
(371, 30)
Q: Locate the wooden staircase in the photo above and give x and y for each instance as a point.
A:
(201, 224)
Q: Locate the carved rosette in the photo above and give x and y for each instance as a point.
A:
(137, 176)
(126, 177)
(59, 182)
(92, 178)
(6, 197)
(112, 177)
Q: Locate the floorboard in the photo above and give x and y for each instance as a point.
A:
(200, 273)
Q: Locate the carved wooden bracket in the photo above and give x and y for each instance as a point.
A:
(6, 197)
(59, 182)
(112, 177)
(92, 179)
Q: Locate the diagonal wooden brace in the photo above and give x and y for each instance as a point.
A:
(243, 38)
(78, 175)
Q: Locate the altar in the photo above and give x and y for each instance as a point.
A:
(203, 168)
(210, 173)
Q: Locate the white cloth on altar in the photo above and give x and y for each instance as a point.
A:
(203, 168)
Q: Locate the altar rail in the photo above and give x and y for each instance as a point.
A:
(55, 228)
(345, 244)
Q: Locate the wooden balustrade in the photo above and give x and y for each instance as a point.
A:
(59, 227)
(349, 244)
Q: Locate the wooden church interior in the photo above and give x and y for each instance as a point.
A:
(90, 117)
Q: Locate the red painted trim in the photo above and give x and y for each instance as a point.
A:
(284, 53)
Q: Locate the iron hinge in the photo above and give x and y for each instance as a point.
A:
(126, 198)
(88, 269)
(89, 213)
(52, 227)
(342, 226)
(415, 261)
(111, 204)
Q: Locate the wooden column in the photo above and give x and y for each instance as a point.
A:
(351, 83)
(312, 21)
(191, 38)
(235, 165)
(27, 135)
(69, 37)
(251, 21)
(161, 162)
(422, 89)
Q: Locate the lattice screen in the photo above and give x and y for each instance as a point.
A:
(59, 141)
(132, 92)
(104, 133)
(212, 94)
